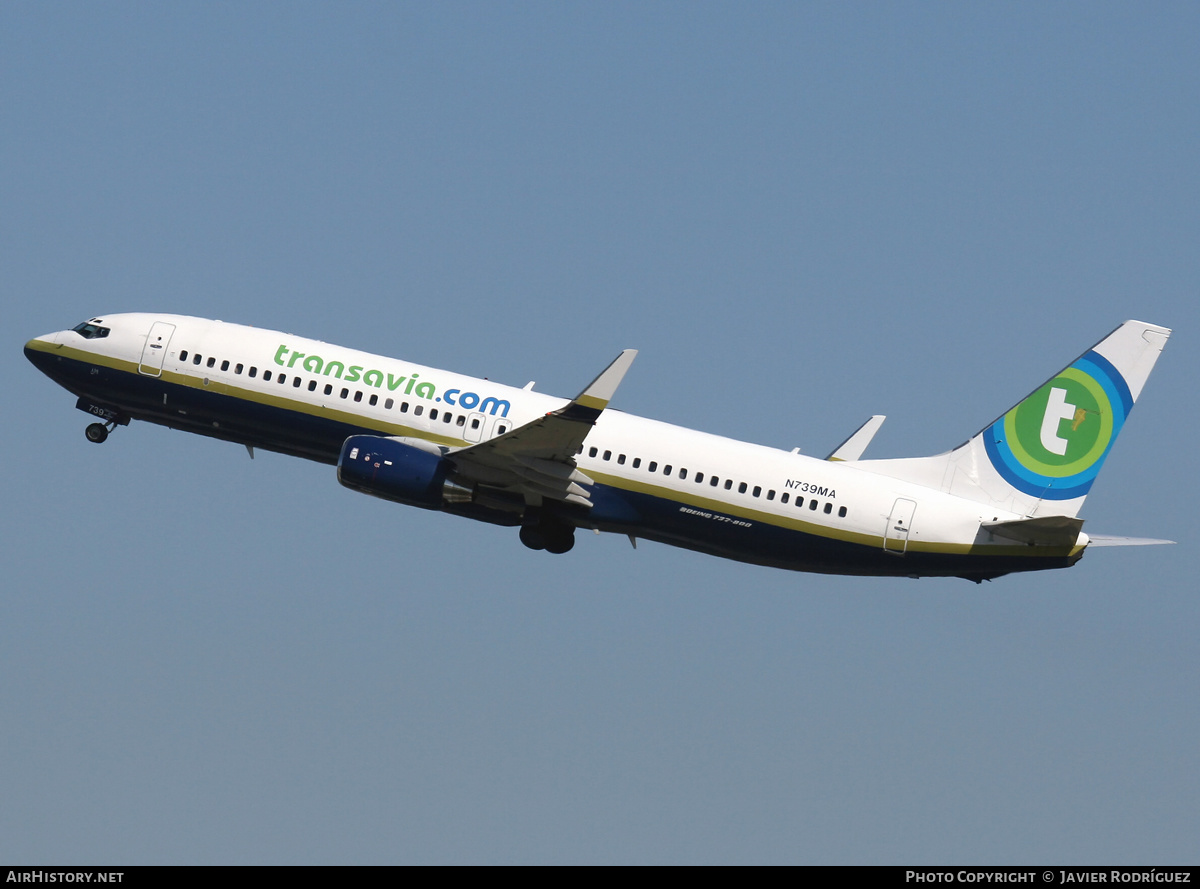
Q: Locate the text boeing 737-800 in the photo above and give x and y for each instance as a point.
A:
(1007, 500)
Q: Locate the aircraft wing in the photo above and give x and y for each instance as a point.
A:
(538, 459)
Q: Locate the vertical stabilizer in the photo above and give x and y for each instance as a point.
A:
(1041, 456)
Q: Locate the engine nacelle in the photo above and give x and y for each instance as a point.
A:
(388, 468)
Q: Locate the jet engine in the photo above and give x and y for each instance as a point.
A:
(415, 474)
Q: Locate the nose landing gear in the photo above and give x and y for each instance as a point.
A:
(98, 432)
(111, 417)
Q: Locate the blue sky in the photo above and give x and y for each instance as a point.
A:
(801, 215)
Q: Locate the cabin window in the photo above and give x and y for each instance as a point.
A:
(799, 503)
(501, 428)
(699, 478)
(374, 399)
(592, 452)
(433, 413)
(296, 381)
(212, 362)
(828, 508)
(417, 410)
(358, 395)
(757, 490)
(783, 498)
(742, 487)
(196, 359)
(637, 462)
(812, 504)
(253, 371)
(267, 375)
(345, 393)
(462, 421)
(621, 459)
(714, 481)
(608, 455)
(652, 467)
(683, 473)
(312, 385)
(728, 484)
(447, 417)
(474, 422)
(224, 365)
(667, 469)
(841, 512)
(328, 388)
(282, 379)
(388, 404)
(771, 495)
(183, 355)
(238, 368)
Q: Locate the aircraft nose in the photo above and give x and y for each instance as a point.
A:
(40, 349)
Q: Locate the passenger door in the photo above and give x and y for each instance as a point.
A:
(899, 524)
(155, 350)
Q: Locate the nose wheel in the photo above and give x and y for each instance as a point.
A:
(98, 432)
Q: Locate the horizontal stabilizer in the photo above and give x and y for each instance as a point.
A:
(1054, 530)
(852, 448)
(1109, 540)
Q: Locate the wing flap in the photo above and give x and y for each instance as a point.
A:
(554, 470)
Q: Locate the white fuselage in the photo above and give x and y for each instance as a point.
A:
(300, 396)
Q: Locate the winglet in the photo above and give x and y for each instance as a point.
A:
(852, 448)
(601, 390)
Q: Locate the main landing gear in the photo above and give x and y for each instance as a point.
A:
(552, 535)
(98, 432)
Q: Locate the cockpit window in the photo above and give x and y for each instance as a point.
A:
(90, 331)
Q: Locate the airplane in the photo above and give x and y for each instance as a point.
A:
(1005, 501)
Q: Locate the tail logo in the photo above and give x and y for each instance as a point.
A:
(1053, 443)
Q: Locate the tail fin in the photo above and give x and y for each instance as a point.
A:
(1041, 457)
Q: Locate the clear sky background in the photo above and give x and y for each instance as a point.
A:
(801, 215)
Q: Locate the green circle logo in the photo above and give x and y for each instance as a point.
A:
(1053, 443)
(1063, 428)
